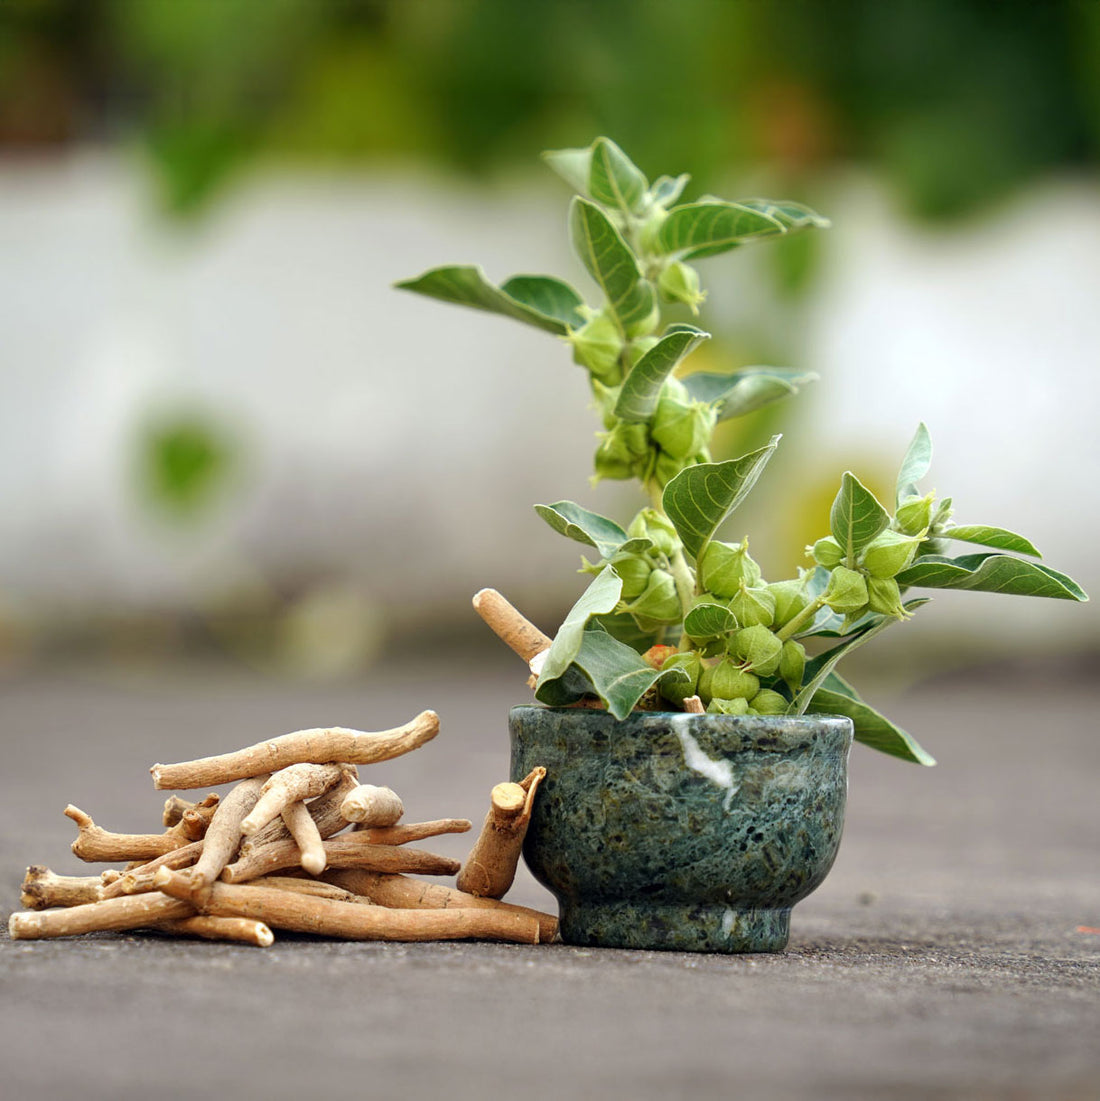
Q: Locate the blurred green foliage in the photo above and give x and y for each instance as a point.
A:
(956, 101)
(184, 461)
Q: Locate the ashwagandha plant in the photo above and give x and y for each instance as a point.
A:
(672, 611)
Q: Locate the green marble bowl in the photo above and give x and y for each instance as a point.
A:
(685, 832)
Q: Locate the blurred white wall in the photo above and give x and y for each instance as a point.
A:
(400, 443)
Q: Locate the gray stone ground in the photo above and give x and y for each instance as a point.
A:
(940, 960)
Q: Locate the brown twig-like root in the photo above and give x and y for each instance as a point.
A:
(311, 846)
(241, 930)
(404, 893)
(114, 913)
(517, 632)
(349, 850)
(315, 887)
(351, 921)
(174, 807)
(414, 831)
(93, 843)
(693, 705)
(43, 888)
(491, 865)
(372, 806)
(195, 821)
(324, 810)
(327, 745)
(140, 879)
(289, 785)
(223, 837)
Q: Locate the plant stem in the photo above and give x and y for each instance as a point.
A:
(805, 616)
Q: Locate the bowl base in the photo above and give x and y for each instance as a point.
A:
(674, 927)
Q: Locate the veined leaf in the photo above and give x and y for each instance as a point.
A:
(624, 627)
(837, 697)
(700, 497)
(714, 227)
(856, 516)
(794, 216)
(987, 536)
(614, 179)
(990, 572)
(601, 597)
(615, 671)
(569, 519)
(747, 390)
(572, 165)
(709, 621)
(667, 189)
(819, 668)
(610, 262)
(538, 300)
(918, 458)
(642, 388)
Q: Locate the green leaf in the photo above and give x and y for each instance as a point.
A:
(609, 261)
(989, 572)
(642, 388)
(707, 228)
(747, 390)
(590, 528)
(538, 300)
(821, 666)
(601, 597)
(837, 697)
(792, 215)
(667, 189)
(572, 165)
(987, 536)
(615, 671)
(856, 516)
(624, 627)
(614, 179)
(700, 497)
(918, 458)
(709, 621)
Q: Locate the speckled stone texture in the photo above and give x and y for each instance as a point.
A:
(684, 832)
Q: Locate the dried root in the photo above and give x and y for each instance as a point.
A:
(372, 806)
(114, 913)
(94, 844)
(43, 889)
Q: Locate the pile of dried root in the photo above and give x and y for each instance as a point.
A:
(298, 844)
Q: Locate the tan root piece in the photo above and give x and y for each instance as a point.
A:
(195, 821)
(372, 806)
(139, 879)
(93, 843)
(323, 745)
(174, 806)
(491, 865)
(514, 629)
(113, 913)
(224, 834)
(324, 810)
(315, 887)
(414, 831)
(349, 850)
(693, 705)
(289, 785)
(43, 888)
(303, 829)
(351, 921)
(241, 930)
(404, 893)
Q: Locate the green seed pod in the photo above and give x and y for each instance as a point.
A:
(827, 552)
(758, 649)
(680, 283)
(890, 552)
(634, 569)
(792, 664)
(667, 467)
(606, 399)
(607, 465)
(724, 566)
(767, 702)
(726, 680)
(737, 706)
(650, 524)
(658, 602)
(915, 514)
(676, 691)
(647, 325)
(620, 449)
(884, 597)
(682, 428)
(790, 599)
(638, 348)
(753, 606)
(598, 345)
(847, 591)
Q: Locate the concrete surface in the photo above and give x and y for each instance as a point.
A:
(941, 959)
